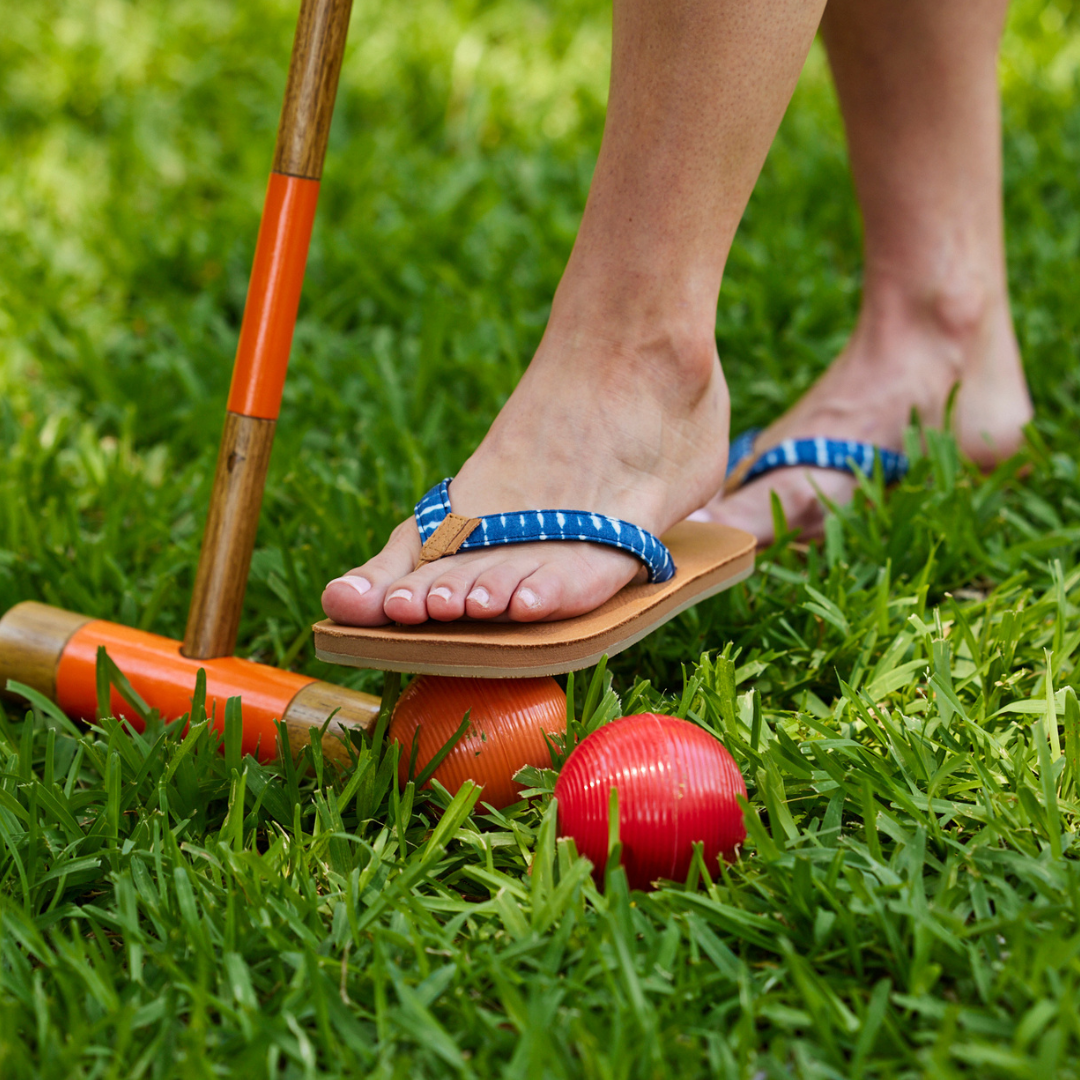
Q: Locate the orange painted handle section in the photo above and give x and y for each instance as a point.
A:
(277, 275)
(166, 681)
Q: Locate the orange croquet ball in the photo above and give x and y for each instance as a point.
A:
(508, 719)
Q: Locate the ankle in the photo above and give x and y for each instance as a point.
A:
(662, 354)
(960, 313)
(958, 310)
(957, 324)
(665, 364)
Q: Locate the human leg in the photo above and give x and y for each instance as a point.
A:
(917, 84)
(623, 410)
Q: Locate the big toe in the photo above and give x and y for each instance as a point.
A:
(356, 598)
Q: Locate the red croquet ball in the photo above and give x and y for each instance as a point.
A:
(677, 785)
(507, 722)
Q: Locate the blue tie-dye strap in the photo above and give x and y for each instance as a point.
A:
(842, 454)
(525, 526)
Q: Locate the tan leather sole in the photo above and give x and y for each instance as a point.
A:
(709, 558)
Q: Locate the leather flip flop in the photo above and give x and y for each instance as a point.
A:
(692, 561)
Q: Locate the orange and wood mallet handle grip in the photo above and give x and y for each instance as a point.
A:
(266, 333)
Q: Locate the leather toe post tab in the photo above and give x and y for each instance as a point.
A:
(452, 532)
(741, 458)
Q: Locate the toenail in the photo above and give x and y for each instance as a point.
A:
(400, 594)
(360, 584)
(480, 596)
(442, 592)
(699, 515)
(529, 598)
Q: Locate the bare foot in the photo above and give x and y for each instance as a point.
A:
(624, 410)
(902, 355)
(633, 424)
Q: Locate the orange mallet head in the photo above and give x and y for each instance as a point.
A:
(55, 652)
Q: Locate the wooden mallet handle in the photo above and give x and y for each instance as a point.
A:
(262, 355)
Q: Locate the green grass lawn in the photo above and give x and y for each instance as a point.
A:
(901, 699)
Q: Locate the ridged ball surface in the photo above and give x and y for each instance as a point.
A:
(677, 785)
(508, 718)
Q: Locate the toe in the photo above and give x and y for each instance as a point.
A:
(492, 590)
(446, 597)
(407, 598)
(357, 598)
(572, 581)
(537, 596)
(750, 507)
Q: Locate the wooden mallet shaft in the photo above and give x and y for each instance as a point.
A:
(266, 333)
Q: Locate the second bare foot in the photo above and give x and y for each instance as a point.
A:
(901, 356)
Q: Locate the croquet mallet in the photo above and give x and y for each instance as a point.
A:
(55, 651)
